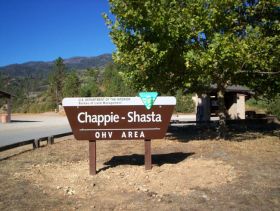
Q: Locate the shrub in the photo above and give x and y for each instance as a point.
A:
(274, 107)
(185, 103)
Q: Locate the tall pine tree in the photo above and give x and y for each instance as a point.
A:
(56, 80)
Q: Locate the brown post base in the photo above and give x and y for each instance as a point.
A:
(148, 156)
(92, 157)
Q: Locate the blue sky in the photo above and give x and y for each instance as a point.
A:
(42, 30)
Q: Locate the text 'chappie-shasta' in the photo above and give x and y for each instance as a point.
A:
(103, 120)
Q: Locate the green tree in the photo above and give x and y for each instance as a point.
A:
(90, 84)
(1, 89)
(113, 82)
(184, 103)
(71, 85)
(56, 79)
(274, 106)
(1, 81)
(172, 44)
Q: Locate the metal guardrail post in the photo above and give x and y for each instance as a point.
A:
(50, 140)
(36, 143)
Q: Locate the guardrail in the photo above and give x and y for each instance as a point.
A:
(35, 142)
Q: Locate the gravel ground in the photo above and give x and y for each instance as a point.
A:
(200, 174)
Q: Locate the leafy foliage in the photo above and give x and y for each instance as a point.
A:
(195, 43)
(71, 85)
(90, 84)
(168, 45)
(114, 84)
(274, 107)
(271, 106)
(184, 104)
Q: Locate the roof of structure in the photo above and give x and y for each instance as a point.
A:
(234, 88)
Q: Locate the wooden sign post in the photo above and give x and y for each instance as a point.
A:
(148, 154)
(118, 118)
(92, 157)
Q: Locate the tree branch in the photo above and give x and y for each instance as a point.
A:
(261, 72)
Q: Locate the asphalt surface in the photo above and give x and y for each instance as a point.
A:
(26, 127)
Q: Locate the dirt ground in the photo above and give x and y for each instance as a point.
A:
(188, 174)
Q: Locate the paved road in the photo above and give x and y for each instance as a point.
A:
(187, 119)
(26, 127)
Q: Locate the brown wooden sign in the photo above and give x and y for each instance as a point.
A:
(116, 118)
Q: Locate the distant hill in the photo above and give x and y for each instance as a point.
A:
(41, 69)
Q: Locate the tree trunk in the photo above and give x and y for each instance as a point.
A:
(222, 128)
(203, 108)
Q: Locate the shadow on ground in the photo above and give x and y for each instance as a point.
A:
(136, 159)
(15, 154)
(238, 130)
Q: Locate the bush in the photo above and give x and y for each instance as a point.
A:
(274, 107)
(185, 103)
(258, 105)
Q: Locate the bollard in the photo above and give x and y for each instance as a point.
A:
(36, 143)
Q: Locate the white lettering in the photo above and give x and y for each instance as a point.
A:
(123, 135)
(134, 117)
(84, 117)
(132, 134)
(97, 135)
(129, 134)
(103, 135)
(79, 117)
(142, 135)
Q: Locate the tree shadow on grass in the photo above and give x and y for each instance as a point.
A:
(238, 130)
(136, 159)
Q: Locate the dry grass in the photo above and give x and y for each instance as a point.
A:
(193, 175)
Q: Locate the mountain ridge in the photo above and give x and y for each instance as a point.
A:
(42, 68)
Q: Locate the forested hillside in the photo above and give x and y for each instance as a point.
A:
(30, 82)
(42, 90)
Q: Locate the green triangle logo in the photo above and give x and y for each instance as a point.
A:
(148, 98)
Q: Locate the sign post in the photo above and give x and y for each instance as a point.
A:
(119, 118)
(92, 157)
(148, 154)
